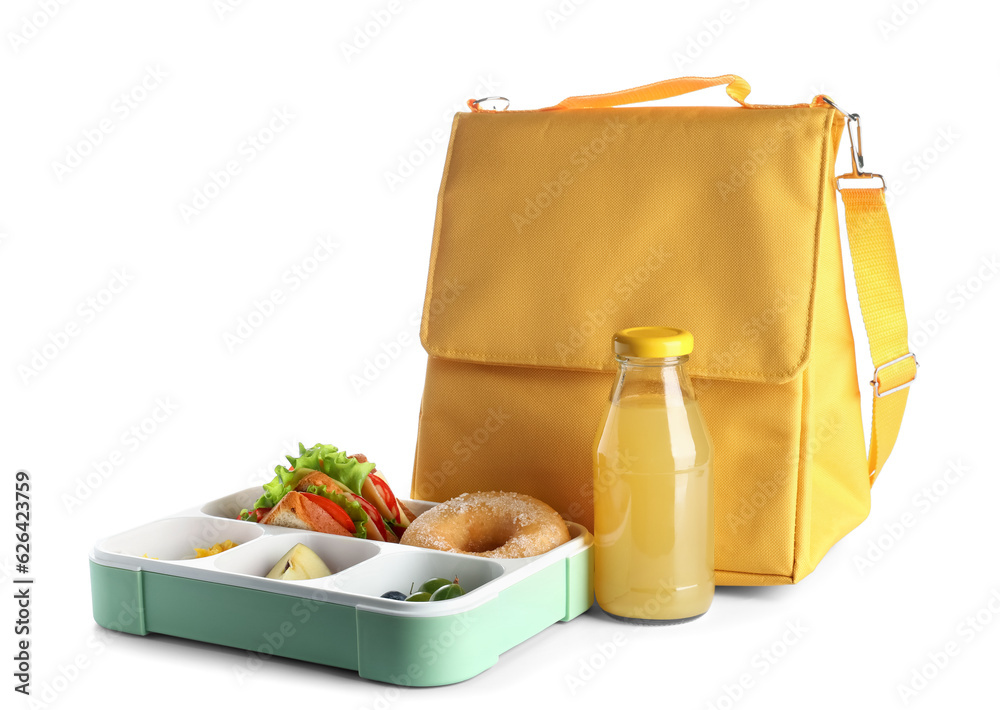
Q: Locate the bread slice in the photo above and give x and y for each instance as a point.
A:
(410, 517)
(320, 479)
(297, 511)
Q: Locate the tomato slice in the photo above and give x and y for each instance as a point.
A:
(383, 490)
(373, 515)
(261, 513)
(338, 513)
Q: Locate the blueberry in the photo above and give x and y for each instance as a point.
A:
(397, 596)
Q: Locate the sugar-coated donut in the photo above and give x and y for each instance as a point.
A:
(489, 524)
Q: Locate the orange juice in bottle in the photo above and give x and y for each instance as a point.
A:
(653, 495)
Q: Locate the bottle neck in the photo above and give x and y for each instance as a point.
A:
(666, 377)
(650, 362)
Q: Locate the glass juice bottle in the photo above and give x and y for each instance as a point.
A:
(653, 495)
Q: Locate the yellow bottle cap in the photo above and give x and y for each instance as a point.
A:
(653, 341)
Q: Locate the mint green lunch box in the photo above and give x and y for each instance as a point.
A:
(147, 580)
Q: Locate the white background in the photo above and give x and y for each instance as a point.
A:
(922, 76)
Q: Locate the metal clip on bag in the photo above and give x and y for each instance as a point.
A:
(557, 227)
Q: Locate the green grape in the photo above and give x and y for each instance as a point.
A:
(419, 597)
(448, 591)
(432, 585)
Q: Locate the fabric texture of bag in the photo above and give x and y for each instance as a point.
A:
(557, 227)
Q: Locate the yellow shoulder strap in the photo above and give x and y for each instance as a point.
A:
(880, 292)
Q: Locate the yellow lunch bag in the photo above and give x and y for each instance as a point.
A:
(557, 227)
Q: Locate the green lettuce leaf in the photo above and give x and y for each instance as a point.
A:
(334, 463)
(353, 508)
(283, 482)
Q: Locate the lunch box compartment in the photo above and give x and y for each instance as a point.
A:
(176, 538)
(230, 506)
(226, 599)
(338, 552)
(397, 570)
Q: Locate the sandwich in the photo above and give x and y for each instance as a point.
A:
(325, 490)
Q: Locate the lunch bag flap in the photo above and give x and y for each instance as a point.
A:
(552, 225)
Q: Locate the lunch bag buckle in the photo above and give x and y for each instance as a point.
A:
(874, 383)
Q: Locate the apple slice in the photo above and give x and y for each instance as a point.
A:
(299, 563)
